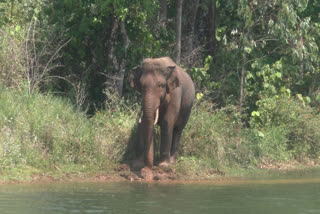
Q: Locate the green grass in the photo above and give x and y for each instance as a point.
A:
(44, 135)
(218, 138)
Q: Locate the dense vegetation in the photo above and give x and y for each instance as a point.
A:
(65, 101)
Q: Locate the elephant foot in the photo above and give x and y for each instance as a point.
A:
(173, 159)
(147, 174)
(137, 164)
(164, 163)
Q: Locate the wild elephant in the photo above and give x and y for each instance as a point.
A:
(168, 95)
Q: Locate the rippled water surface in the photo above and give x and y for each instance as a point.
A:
(257, 196)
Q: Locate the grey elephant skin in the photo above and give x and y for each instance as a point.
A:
(167, 98)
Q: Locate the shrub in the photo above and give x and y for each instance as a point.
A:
(294, 120)
(115, 133)
(11, 55)
(42, 130)
(281, 130)
(211, 135)
(266, 145)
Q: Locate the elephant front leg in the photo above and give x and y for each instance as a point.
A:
(166, 141)
(177, 132)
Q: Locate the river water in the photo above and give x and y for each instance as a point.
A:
(272, 196)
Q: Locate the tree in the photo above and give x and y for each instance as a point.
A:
(102, 49)
(163, 12)
(119, 64)
(179, 4)
(212, 28)
(240, 50)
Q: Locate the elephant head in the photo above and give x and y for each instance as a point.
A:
(155, 79)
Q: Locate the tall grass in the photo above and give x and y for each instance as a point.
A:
(46, 132)
(218, 139)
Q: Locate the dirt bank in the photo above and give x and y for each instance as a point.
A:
(123, 173)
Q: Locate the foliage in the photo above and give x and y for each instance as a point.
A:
(27, 53)
(295, 119)
(57, 56)
(282, 130)
(280, 37)
(43, 131)
(201, 76)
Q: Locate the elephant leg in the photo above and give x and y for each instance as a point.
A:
(166, 142)
(177, 132)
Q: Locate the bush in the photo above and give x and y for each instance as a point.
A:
(211, 135)
(115, 132)
(291, 119)
(45, 131)
(11, 59)
(283, 130)
(267, 145)
(44, 128)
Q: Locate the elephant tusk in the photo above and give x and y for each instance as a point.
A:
(140, 118)
(157, 117)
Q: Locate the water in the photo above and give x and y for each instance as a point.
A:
(237, 196)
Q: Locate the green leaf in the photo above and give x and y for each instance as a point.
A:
(247, 50)
(260, 134)
(255, 114)
(279, 75)
(17, 28)
(299, 96)
(307, 99)
(199, 95)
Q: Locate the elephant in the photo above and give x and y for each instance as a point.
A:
(168, 95)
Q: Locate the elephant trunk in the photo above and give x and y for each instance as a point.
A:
(149, 118)
(156, 117)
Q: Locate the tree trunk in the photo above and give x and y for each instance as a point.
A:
(119, 65)
(212, 28)
(192, 22)
(126, 43)
(163, 12)
(113, 34)
(179, 4)
(243, 75)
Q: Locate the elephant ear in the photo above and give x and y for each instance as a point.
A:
(135, 78)
(172, 79)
